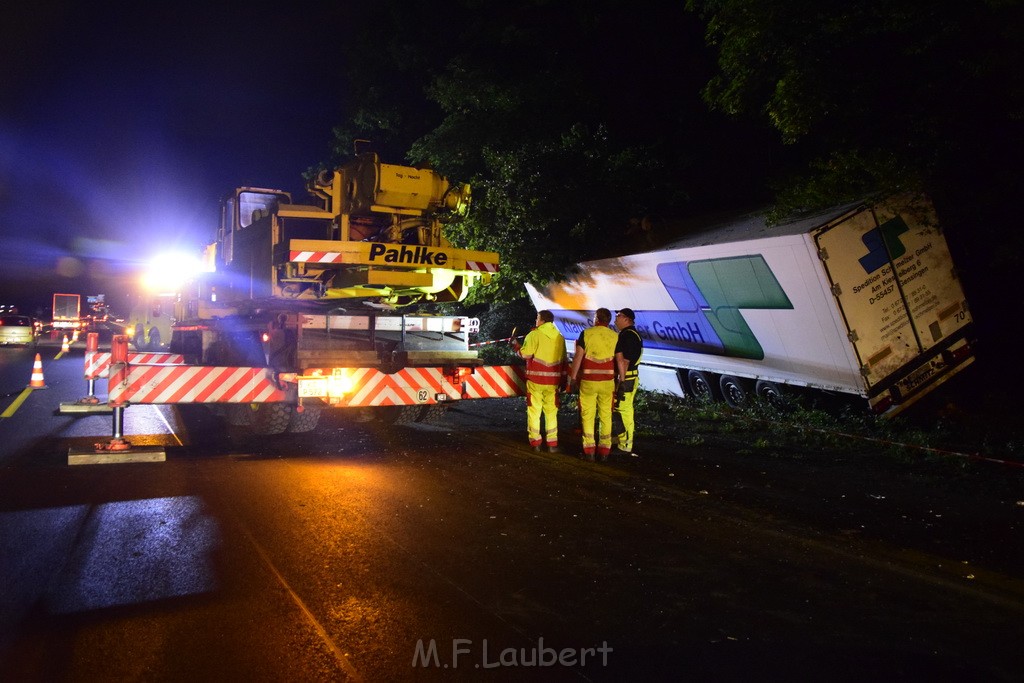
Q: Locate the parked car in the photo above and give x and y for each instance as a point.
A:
(18, 330)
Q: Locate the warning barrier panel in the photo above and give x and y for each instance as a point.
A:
(496, 381)
(195, 384)
(410, 386)
(97, 364)
(367, 387)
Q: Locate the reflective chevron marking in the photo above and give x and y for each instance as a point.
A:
(496, 381)
(195, 384)
(97, 364)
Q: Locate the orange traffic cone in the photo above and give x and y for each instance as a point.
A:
(65, 347)
(74, 336)
(37, 374)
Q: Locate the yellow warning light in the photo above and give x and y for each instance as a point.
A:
(340, 382)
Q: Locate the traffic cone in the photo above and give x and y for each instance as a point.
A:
(66, 346)
(74, 336)
(37, 381)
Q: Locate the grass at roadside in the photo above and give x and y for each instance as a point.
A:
(834, 427)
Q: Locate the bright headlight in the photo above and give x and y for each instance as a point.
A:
(168, 273)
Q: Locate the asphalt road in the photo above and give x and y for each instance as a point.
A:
(368, 551)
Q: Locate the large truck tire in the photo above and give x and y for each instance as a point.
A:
(306, 421)
(734, 391)
(403, 415)
(270, 418)
(238, 414)
(431, 414)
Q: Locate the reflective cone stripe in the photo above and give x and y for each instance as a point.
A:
(97, 365)
(496, 381)
(37, 381)
(191, 384)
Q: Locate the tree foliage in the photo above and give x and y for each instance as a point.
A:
(879, 95)
(573, 118)
(569, 119)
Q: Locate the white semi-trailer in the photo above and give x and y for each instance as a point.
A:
(861, 300)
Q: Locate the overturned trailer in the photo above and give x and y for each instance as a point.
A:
(863, 300)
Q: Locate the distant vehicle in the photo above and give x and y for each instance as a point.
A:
(67, 312)
(98, 313)
(18, 330)
(149, 322)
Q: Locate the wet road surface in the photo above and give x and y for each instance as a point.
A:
(368, 551)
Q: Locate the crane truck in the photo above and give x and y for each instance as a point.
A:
(304, 307)
(862, 300)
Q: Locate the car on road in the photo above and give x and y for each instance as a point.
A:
(18, 330)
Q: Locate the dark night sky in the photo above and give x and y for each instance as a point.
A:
(121, 130)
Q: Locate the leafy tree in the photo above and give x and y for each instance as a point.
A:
(569, 119)
(879, 95)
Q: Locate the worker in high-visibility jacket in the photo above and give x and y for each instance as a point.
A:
(546, 370)
(593, 369)
(628, 351)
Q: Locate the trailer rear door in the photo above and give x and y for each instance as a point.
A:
(894, 281)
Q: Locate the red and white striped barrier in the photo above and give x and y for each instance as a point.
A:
(194, 384)
(316, 257)
(97, 364)
(482, 266)
(496, 381)
(410, 386)
(370, 387)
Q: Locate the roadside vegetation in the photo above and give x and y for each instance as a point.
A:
(823, 424)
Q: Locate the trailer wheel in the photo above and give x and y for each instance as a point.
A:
(306, 421)
(734, 391)
(270, 418)
(701, 386)
(772, 394)
(154, 340)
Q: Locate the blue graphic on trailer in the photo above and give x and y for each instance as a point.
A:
(884, 244)
(708, 295)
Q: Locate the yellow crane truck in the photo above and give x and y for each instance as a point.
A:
(308, 306)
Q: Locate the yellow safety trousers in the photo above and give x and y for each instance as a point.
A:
(540, 399)
(625, 411)
(596, 401)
